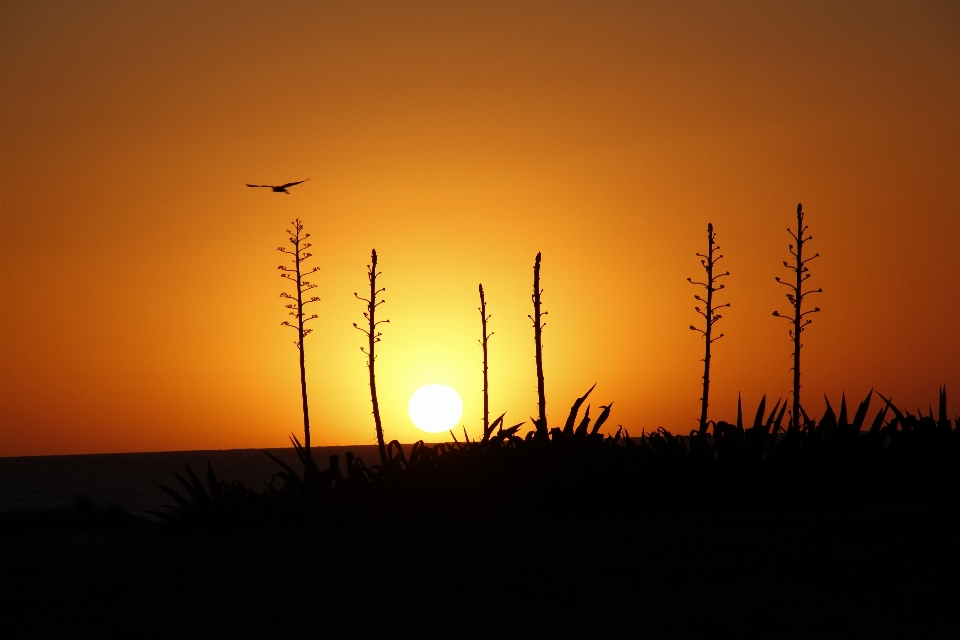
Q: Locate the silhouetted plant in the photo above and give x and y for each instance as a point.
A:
(373, 337)
(296, 275)
(575, 470)
(222, 497)
(484, 336)
(538, 325)
(796, 296)
(710, 315)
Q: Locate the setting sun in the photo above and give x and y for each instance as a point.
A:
(435, 408)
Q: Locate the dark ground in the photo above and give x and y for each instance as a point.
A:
(777, 574)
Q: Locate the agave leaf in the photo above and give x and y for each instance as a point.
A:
(581, 429)
(183, 502)
(773, 415)
(740, 412)
(861, 413)
(293, 478)
(842, 420)
(416, 452)
(603, 418)
(194, 487)
(829, 417)
(311, 473)
(512, 430)
(757, 419)
(783, 410)
(808, 424)
(301, 452)
(878, 421)
(942, 420)
(893, 408)
(568, 426)
(399, 455)
(216, 489)
(615, 437)
(496, 424)
(366, 471)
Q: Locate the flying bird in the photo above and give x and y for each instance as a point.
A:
(279, 188)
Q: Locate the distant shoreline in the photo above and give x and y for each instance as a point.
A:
(128, 480)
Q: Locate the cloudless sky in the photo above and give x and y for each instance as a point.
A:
(139, 304)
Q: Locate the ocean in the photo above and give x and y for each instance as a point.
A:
(129, 480)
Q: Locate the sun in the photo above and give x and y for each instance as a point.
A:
(435, 408)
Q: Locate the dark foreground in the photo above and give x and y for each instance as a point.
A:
(788, 574)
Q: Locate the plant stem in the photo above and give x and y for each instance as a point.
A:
(483, 343)
(797, 319)
(300, 333)
(538, 340)
(709, 331)
(796, 294)
(709, 312)
(372, 341)
(297, 275)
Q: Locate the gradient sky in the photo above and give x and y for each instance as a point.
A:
(139, 288)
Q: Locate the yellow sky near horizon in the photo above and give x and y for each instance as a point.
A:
(139, 303)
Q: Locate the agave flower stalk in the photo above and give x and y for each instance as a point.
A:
(297, 275)
(373, 337)
(484, 337)
(795, 296)
(709, 313)
(538, 325)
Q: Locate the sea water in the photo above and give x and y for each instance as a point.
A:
(129, 480)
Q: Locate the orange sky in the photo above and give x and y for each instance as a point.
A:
(140, 307)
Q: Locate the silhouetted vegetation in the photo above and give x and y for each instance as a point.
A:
(710, 315)
(373, 337)
(537, 318)
(296, 274)
(757, 525)
(578, 469)
(796, 296)
(840, 460)
(484, 336)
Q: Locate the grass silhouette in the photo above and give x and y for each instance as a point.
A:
(549, 473)
(546, 474)
(838, 526)
(837, 461)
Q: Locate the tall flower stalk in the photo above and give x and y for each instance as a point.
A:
(709, 313)
(796, 295)
(484, 337)
(538, 325)
(296, 274)
(373, 337)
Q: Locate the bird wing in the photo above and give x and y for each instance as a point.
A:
(260, 185)
(290, 184)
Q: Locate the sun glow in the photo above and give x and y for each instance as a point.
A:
(435, 408)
